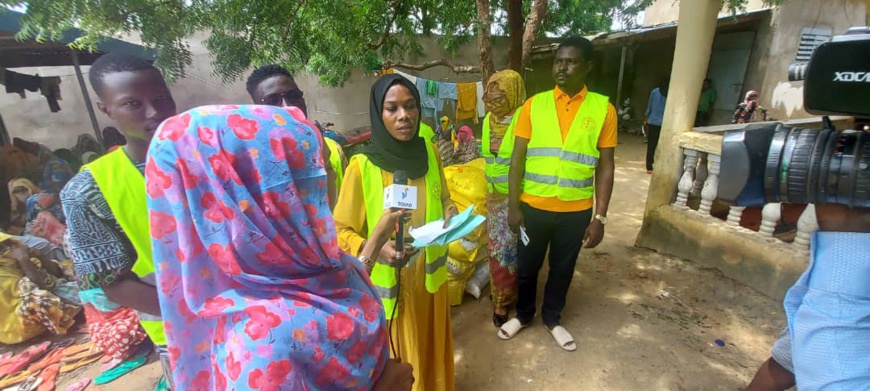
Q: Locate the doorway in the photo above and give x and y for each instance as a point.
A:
(727, 69)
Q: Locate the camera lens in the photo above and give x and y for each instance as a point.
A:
(798, 166)
(783, 164)
(774, 156)
(814, 168)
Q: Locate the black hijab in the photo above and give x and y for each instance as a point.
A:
(385, 151)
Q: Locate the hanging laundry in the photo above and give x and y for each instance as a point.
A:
(481, 108)
(446, 90)
(16, 83)
(411, 78)
(428, 103)
(432, 87)
(466, 102)
(50, 89)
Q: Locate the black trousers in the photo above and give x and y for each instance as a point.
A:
(562, 233)
(652, 142)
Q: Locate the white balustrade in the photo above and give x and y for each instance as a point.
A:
(806, 225)
(687, 181)
(770, 215)
(700, 175)
(711, 185)
(735, 214)
(702, 165)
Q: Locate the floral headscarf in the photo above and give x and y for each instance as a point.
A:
(254, 291)
(511, 84)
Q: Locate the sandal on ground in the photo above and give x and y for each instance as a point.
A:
(162, 384)
(499, 320)
(510, 329)
(80, 385)
(563, 338)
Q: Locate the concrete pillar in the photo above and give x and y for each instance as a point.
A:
(696, 30)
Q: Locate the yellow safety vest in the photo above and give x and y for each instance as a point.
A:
(426, 132)
(123, 186)
(384, 276)
(564, 170)
(335, 153)
(498, 166)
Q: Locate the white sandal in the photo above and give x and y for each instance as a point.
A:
(510, 329)
(563, 338)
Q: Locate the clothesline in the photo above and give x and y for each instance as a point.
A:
(434, 93)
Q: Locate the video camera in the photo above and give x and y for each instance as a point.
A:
(772, 162)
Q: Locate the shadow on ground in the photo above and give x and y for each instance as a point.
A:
(641, 320)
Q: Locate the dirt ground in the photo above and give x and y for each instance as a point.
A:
(642, 321)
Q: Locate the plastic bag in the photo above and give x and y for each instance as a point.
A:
(478, 281)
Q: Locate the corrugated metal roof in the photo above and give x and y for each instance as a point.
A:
(30, 53)
(652, 32)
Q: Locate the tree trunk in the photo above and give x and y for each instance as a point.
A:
(484, 39)
(533, 25)
(515, 33)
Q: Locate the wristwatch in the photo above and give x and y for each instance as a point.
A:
(367, 262)
(602, 219)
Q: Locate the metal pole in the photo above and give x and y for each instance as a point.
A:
(88, 104)
(621, 75)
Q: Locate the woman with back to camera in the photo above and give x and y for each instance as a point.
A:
(254, 291)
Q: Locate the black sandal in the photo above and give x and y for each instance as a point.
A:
(499, 320)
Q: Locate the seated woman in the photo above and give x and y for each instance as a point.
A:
(417, 301)
(254, 291)
(27, 301)
(56, 174)
(39, 212)
(466, 149)
(20, 190)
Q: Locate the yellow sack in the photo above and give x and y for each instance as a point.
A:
(467, 185)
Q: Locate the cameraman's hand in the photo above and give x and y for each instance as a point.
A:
(839, 218)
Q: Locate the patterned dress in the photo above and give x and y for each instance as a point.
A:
(254, 291)
(101, 253)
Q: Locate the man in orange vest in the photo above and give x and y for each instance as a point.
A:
(563, 156)
(132, 93)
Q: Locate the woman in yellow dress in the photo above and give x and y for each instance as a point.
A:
(27, 303)
(416, 303)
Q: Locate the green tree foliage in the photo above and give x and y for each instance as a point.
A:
(329, 38)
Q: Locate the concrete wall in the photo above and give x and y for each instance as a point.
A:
(666, 11)
(784, 99)
(347, 107)
(765, 264)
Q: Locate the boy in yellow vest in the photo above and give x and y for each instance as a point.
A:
(274, 86)
(563, 156)
(108, 228)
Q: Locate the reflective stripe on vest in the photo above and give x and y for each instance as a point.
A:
(564, 170)
(384, 276)
(123, 187)
(335, 161)
(498, 166)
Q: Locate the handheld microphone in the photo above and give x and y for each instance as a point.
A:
(399, 193)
